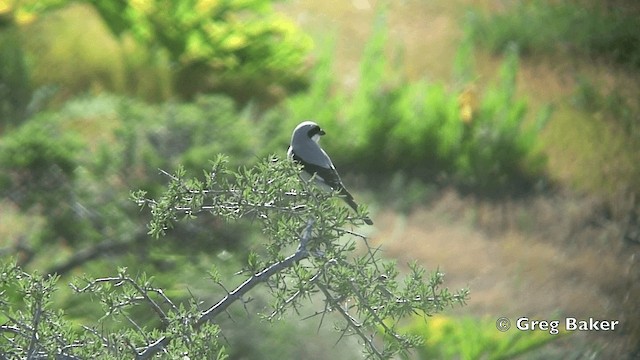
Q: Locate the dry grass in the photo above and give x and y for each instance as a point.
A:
(545, 258)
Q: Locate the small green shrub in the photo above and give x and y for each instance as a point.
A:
(477, 138)
(589, 96)
(37, 159)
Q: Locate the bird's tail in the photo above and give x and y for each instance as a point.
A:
(348, 198)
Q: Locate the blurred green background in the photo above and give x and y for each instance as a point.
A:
(497, 140)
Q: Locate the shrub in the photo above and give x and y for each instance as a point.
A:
(476, 138)
(241, 48)
(75, 167)
(139, 319)
(37, 160)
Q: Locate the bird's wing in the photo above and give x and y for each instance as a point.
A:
(311, 152)
(327, 175)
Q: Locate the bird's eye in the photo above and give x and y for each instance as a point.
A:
(315, 131)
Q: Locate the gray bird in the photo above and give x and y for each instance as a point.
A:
(306, 150)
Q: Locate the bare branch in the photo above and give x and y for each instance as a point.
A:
(239, 292)
(143, 292)
(293, 297)
(91, 253)
(36, 322)
(352, 322)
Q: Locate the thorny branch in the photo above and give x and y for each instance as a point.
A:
(361, 289)
(352, 323)
(239, 292)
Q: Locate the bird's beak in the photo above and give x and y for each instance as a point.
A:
(321, 132)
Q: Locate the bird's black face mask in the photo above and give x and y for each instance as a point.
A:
(316, 130)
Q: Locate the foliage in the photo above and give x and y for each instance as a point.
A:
(15, 90)
(468, 338)
(70, 173)
(590, 29)
(324, 263)
(364, 290)
(242, 48)
(37, 170)
(31, 327)
(498, 150)
(594, 32)
(477, 138)
(19, 99)
(37, 158)
(25, 11)
(34, 328)
(216, 44)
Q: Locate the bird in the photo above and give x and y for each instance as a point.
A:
(305, 149)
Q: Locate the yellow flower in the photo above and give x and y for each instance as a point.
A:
(206, 6)
(24, 17)
(468, 102)
(438, 328)
(144, 6)
(234, 42)
(5, 7)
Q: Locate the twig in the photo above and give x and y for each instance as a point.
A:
(351, 321)
(144, 294)
(373, 313)
(293, 297)
(236, 294)
(91, 253)
(36, 323)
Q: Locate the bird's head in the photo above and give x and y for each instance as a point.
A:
(307, 129)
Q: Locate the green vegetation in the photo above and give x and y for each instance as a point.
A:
(470, 338)
(72, 172)
(15, 86)
(587, 28)
(38, 329)
(476, 138)
(241, 48)
(141, 320)
(595, 33)
(610, 105)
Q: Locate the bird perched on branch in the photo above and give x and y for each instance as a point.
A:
(316, 164)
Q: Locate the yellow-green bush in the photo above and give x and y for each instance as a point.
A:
(241, 48)
(470, 338)
(477, 138)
